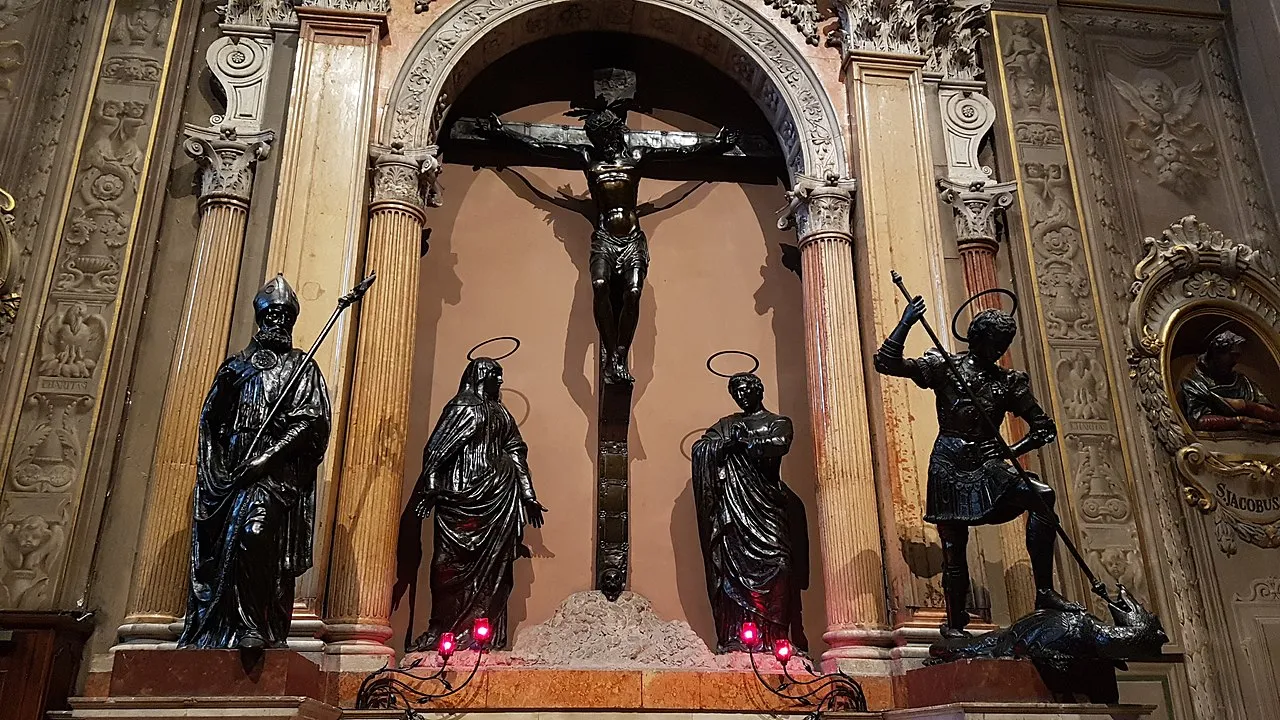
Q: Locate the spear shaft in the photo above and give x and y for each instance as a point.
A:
(344, 302)
(1095, 584)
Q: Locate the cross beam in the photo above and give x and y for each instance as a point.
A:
(755, 159)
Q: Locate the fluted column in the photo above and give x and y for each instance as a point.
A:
(852, 560)
(226, 175)
(362, 566)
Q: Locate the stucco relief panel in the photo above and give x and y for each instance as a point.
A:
(1164, 133)
(1066, 300)
(66, 368)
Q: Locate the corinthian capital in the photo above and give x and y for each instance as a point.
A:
(945, 32)
(226, 159)
(406, 175)
(975, 207)
(819, 209)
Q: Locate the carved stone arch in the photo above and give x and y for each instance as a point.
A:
(728, 34)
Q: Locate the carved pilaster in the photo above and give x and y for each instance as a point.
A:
(10, 297)
(227, 160)
(946, 32)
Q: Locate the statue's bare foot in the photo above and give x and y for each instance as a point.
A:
(1052, 600)
(618, 371)
(953, 633)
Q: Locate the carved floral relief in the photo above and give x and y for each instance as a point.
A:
(78, 309)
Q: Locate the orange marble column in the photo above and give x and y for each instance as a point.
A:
(160, 586)
(974, 207)
(362, 565)
(852, 559)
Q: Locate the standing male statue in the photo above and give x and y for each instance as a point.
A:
(614, 167)
(971, 481)
(255, 484)
(752, 526)
(475, 476)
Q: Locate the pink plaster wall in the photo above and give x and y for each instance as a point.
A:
(503, 265)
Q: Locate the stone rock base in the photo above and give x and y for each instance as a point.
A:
(589, 632)
(198, 708)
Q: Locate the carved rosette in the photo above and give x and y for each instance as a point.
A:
(405, 177)
(1191, 265)
(945, 32)
(820, 209)
(227, 161)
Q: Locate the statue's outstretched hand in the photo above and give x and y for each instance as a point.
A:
(728, 137)
(534, 510)
(914, 311)
(423, 503)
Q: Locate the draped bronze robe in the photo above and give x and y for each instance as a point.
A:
(752, 530)
(476, 465)
(243, 583)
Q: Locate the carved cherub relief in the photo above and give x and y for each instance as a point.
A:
(1030, 75)
(1171, 147)
(28, 547)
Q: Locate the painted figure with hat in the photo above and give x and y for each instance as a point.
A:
(263, 433)
(1217, 397)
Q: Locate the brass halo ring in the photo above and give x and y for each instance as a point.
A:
(1001, 291)
(713, 371)
(516, 340)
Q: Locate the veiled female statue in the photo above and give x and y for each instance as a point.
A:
(751, 525)
(475, 477)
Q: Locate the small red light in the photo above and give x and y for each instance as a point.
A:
(446, 645)
(782, 650)
(481, 631)
(749, 634)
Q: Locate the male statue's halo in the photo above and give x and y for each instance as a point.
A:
(1000, 291)
(713, 371)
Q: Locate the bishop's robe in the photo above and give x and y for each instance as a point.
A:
(250, 542)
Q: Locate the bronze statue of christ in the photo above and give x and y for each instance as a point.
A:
(614, 167)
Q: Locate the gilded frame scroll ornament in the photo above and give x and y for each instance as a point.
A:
(10, 297)
(1189, 270)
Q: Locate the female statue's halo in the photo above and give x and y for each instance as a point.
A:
(472, 352)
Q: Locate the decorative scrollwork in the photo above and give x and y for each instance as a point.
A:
(1189, 267)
